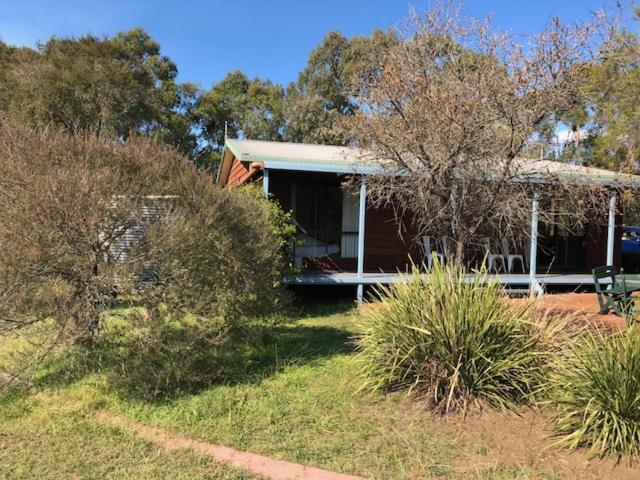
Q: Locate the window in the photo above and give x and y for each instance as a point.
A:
(318, 211)
(350, 225)
(327, 214)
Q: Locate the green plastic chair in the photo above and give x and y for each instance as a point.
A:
(608, 292)
(626, 304)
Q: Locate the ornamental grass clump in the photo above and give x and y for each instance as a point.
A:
(456, 342)
(596, 395)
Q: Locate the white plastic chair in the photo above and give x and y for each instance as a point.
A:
(511, 258)
(430, 250)
(443, 247)
(493, 258)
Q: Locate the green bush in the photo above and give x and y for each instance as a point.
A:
(456, 344)
(596, 395)
(218, 253)
(164, 352)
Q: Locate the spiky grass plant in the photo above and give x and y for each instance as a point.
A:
(596, 395)
(456, 341)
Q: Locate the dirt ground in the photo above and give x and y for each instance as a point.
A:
(508, 439)
(583, 305)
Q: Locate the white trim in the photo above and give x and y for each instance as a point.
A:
(321, 167)
(534, 285)
(361, 222)
(265, 183)
(611, 229)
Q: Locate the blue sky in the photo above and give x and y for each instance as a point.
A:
(268, 38)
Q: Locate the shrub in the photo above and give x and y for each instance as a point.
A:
(163, 351)
(219, 253)
(596, 395)
(66, 201)
(456, 344)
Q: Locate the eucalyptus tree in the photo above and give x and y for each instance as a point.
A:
(321, 94)
(113, 86)
(239, 106)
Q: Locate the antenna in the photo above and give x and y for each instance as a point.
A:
(225, 130)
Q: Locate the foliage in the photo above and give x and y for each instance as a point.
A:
(321, 94)
(114, 86)
(218, 252)
(68, 201)
(455, 343)
(59, 217)
(596, 395)
(280, 222)
(453, 105)
(253, 108)
(604, 120)
(164, 351)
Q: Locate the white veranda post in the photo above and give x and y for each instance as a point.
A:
(535, 286)
(611, 229)
(265, 183)
(361, 221)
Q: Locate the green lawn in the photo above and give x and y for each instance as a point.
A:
(297, 400)
(54, 440)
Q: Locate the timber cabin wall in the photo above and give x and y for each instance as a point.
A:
(238, 174)
(384, 248)
(596, 244)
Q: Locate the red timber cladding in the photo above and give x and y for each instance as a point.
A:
(238, 174)
(596, 244)
(384, 248)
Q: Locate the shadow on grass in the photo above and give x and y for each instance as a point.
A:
(297, 344)
(318, 307)
(257, 354)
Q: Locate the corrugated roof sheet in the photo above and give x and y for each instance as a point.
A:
(336, 159)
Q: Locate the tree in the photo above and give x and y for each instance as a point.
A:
(611, 90)
(448, 114)
(113, 86)
(321, 94)
(176, 120)
(252, 108)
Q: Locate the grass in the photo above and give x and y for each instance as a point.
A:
(40, 439)
(298, 399)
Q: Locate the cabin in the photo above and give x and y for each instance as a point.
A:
(344, 241)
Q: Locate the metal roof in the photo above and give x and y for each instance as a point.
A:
(302, 156)
(348, 160)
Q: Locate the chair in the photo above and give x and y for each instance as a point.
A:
(625, 304)
(443, 247)
(491, 257)
(430, 247)
(608, 292)
(511, 258)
